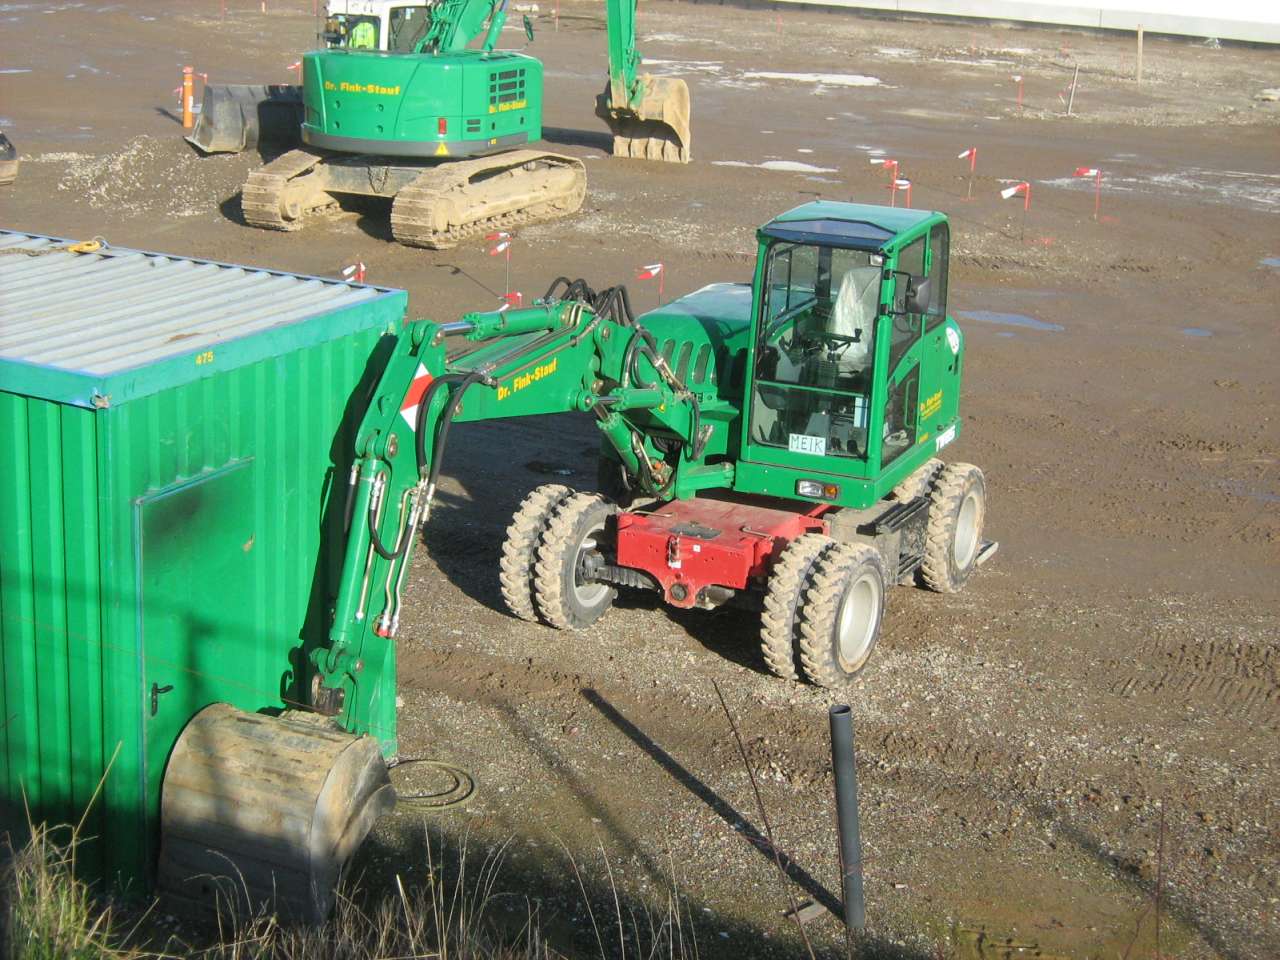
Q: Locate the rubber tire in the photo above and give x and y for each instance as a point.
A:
(780, 618)
(941, 570)
(837, 572)
(520, 549)
(919, 482)
(574, 521)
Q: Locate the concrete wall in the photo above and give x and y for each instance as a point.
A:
(1256, 21)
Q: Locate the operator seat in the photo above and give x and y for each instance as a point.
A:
(854, 315)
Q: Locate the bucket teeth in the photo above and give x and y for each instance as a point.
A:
(658, 129)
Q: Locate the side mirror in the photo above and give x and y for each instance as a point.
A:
(528, 28)
(919, 297)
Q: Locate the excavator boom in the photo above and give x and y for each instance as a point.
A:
(574, 350)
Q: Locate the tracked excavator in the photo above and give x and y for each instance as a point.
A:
(398, 105)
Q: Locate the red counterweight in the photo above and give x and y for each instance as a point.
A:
(689, 545)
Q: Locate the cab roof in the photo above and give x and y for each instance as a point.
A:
(862, 226)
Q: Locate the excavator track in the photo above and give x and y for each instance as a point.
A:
(447, 204)
(278, 196)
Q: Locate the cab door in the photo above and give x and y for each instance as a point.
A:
(901, 339)
(810, 387)
(942, 355)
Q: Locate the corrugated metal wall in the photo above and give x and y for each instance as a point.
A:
(78, 665)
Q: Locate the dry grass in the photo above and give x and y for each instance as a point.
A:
(48, 914)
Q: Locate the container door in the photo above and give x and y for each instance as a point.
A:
(198, 596)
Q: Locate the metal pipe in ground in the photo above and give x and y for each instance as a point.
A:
(846, 778)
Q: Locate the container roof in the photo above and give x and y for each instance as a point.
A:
(95, 328)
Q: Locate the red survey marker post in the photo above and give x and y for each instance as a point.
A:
(1023, 188)
(650, 272)
(1097, 185)
(972, 156)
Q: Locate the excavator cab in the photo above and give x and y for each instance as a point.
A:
(851, 366)
(385, 27)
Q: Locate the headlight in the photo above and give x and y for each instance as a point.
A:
(817, 489)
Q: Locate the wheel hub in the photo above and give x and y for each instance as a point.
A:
(858, 621)
(965, 545)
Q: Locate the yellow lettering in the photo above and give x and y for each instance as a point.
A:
(363, 88)
(525, 379)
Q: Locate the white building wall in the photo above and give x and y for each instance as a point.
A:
(1257, 21)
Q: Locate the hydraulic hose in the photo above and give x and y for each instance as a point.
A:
(376, 540)
(420, 428)
(442, 431)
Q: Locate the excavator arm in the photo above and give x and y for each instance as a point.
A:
(574, 350)
(649, 116)
(455, 23)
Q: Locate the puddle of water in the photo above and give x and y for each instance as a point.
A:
(1270, 262)
(1259, 191)
(787, 166)
(1197, 332)
(831, 79)
(1009, 319)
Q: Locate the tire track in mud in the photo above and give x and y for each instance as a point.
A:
(1241, 680)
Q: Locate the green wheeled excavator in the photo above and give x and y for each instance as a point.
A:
(398, 105)
(771, 444)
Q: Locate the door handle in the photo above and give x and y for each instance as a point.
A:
(156, 690)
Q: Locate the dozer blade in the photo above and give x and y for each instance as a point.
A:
(261, 813)
(8, 161)
(237, 116)
(658, 129)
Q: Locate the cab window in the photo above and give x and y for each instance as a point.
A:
(407, 26)
(939, 253)
(815, 349)
(906, 326)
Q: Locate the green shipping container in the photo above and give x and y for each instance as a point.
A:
(175, 438)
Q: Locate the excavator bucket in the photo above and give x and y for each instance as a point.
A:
(658, 129)
(260, 813)
(8, 161)
(237, 116)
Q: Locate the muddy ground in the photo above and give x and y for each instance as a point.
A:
(1114, 668)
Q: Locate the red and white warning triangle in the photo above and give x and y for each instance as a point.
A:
(413, 399)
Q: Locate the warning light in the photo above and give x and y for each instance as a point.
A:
(442, 125)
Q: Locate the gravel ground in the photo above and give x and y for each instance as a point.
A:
(1113, 670)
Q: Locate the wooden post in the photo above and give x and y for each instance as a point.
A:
(1071, 101)
(1139, 53)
